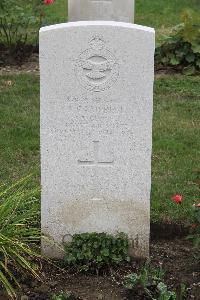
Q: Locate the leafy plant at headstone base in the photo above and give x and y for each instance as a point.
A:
(148, 283)
(19, 217)
(19, 24)
(181, 49)
(96, 251)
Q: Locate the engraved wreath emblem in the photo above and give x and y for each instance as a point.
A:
(96, 68)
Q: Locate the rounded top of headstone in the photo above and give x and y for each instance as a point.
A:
(97, 23)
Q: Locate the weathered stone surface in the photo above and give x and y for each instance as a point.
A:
(106, 10)
(96, 130)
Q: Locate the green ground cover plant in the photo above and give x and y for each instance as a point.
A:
(96, 251)
(149, 283)
(176, 143)
(63, 296)
(19, 234)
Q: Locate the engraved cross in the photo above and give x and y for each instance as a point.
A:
(96, 160)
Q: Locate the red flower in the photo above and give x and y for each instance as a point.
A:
(177, 198)
(48, 2)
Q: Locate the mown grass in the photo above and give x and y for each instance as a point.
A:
(163, 13)
(176, 143)
(19, 126)
(176, 147)
(154, 13)
(159, 14)
(56, 13)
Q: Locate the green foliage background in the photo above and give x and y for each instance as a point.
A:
(182, 46)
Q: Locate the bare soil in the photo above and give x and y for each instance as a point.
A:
(31, 65)
(177, 257)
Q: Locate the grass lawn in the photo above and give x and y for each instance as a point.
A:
(163, 13)
(154, 13)
(176, 146)
(159, 14)
(176, 143)
(19, 126)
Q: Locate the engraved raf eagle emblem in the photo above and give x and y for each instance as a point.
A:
(96, 67)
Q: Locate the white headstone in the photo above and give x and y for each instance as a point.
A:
(96, 130)
(107, 10)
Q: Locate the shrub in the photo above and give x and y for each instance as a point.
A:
(182, 47)
(18, 21)
(94, 251)
(19, 209)
(19, 26)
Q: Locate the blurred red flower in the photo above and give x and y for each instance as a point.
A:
(48, 2)
(177, 198)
